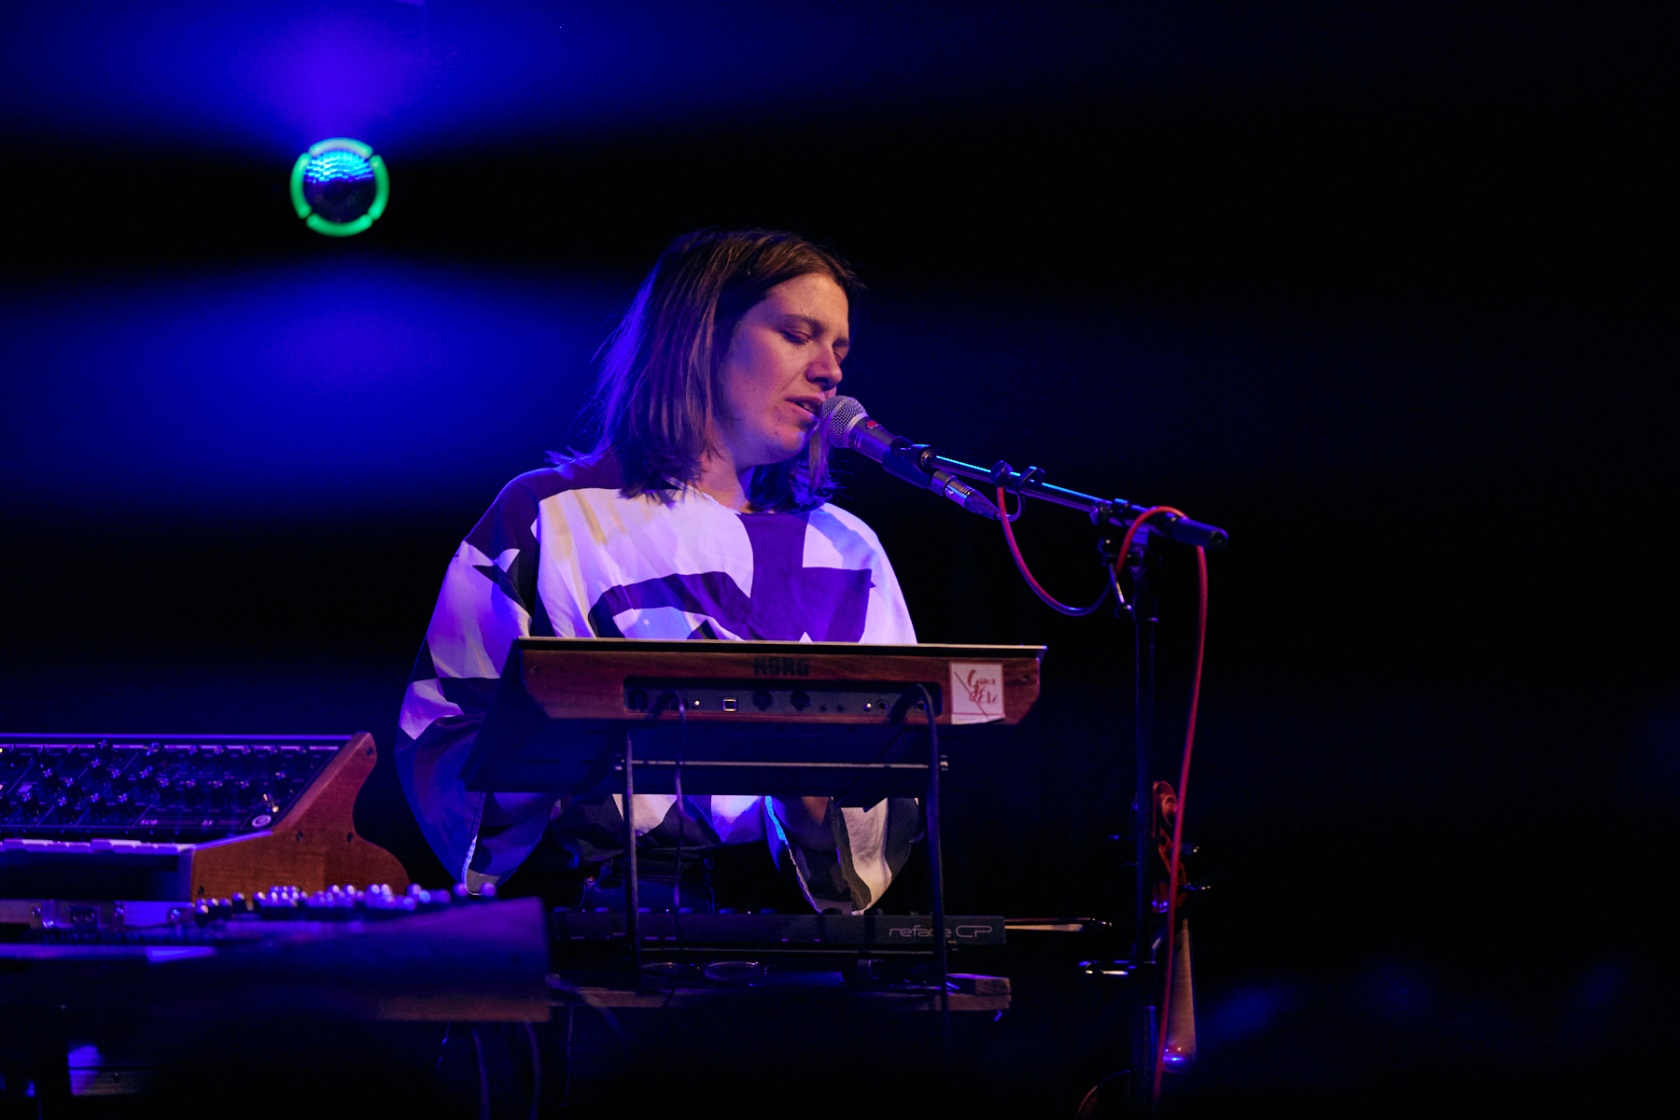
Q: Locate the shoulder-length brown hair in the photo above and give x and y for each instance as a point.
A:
(661, 377)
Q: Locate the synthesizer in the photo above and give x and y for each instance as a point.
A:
(172, 817)
(792, 933)
(374, 954)
(784, 718)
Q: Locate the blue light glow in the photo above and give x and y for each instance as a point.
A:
(267, 77)
(352, 382)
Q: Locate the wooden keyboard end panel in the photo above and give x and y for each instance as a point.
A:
(314, 846)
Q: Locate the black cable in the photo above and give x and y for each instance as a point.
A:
(936, 868)
(570, 999)
(682, 827)
(536, 1071)
(676, 698)
(676, 878)
(682, 815)
(443, 1047)
(566, 1086)
(632, 881)
(483, 1078)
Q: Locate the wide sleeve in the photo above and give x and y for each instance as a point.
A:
(489, 598)
(853, 858)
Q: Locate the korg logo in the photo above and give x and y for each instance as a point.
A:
(781, 667)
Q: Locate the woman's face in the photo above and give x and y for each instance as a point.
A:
(783, 363)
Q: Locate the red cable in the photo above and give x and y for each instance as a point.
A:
(1021, 566)
(1175, 852)
(1132, 529)
(1173, 863)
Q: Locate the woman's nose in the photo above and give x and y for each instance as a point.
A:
(825, 372)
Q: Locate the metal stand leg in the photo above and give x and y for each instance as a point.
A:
(1144, 1043)
(632, 879)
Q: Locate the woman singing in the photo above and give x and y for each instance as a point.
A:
(699, 513)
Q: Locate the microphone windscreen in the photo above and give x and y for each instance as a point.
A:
(838, 416)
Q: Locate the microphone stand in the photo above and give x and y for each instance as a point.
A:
(1145, 1018)
(1102, 511)
(1147, 547)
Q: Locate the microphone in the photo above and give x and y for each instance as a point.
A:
(844, 423)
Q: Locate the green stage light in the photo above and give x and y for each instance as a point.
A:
(339, 187)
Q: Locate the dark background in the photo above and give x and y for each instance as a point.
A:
(1384, 289)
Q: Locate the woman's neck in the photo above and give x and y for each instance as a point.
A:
(720, 481)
